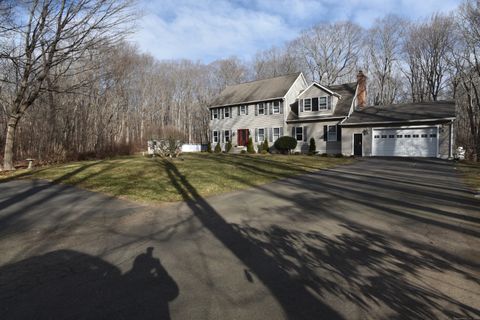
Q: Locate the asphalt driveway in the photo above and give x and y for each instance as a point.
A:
(378, 239)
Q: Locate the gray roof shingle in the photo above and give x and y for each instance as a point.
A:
(403, 113)
(259, 90)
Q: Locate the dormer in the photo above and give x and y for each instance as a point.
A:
(317, 100)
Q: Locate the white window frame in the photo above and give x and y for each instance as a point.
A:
(261, 106)
(329, 133)
(276, 104)
(215, 136)
(226, 136)
(320, 104)
(243, 110)
(276, 135)
(261, 135)
(215, 114)
(297, 133)
(309, 104)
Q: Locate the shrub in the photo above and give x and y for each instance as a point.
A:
(264, 152)
(209, 147)
(324, 155)
(228, 147)
(265, 146)
(285, 144)
(250, 148)
(259, 148)
(218, 148)
(243, 151)
(312, 148)
(338, 155)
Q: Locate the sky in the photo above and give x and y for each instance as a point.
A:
(206, 30)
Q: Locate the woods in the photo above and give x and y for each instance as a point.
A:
(73, 88)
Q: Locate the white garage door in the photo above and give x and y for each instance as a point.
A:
(418, 142)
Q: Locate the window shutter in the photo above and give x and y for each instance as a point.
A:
(329, 102)
(270, 134)
(301, 105)
(270, 107)
(238, 110)
(304, 134)
(256, 135)
(325, 133)
(281, 107)
(339, 133)
(293, 132)
(281, 132)
(211, 114)
(256, 109)
(230, 113)
(246, 109)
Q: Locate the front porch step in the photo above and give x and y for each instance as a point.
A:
(237, 150)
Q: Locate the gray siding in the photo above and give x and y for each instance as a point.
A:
(444, 144)
(252, 121)
(315, 130)
(314, 92)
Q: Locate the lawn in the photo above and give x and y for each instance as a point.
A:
(153, 179)
(471, 173)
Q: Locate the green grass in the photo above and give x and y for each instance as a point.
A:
(471, 173)
(156, 180)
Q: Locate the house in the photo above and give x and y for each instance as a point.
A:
(337, 117)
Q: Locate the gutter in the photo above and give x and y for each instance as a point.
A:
(397, 121)
(315, 120)
(245, 102)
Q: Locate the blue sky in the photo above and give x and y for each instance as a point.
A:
(207, 30)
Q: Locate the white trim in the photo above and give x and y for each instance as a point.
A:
(304, 82)
(393, 122)
(321, 87)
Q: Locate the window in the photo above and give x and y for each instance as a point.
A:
(261, 135)
(276, 107)
(307, 104)
(323, 103)
(332, 133)
(215, 136)
(227, 112)
(261, 108)
(299, 133)
(376, 136)
(407, 136)
(243, 110)
(314, 104)
(226, 136)
(215, 113)
(433, 135)
(399, 136)
(415, 135)
(424, 135)
(276, 133)
(391, 136)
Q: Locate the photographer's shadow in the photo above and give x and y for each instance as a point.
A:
(67, 284)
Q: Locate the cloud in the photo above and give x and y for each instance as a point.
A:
(209, 30)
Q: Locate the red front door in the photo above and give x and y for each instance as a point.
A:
(242, 137)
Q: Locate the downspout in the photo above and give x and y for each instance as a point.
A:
(450, 150)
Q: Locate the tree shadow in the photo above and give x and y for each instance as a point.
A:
(365, 269)
(66, 284)
(292, 295)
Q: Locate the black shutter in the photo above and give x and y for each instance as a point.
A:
(325, 133)
(293, 133)
(239, 110)
(270, 134)
(211, 114)
(301, 105)
(246, 109)
(281, 107)
(256, 135)
(281, 132)
(339, 133)
(304, 134)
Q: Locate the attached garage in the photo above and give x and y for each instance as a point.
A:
(405, 142)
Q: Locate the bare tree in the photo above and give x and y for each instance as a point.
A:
(276, 62)
(55, 34)
(383, 50)
(427, 57)
(331, 51)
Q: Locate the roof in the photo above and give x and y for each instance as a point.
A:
(408, 112)
(344, 103)
(260, 90)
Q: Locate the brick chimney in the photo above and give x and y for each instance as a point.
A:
(361, 98)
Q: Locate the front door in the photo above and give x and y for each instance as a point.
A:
(357, 144)
(242, 137)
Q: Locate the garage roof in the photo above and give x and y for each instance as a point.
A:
(260, 90)
(408, 112)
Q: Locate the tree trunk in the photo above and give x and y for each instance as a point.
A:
(10, 137)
